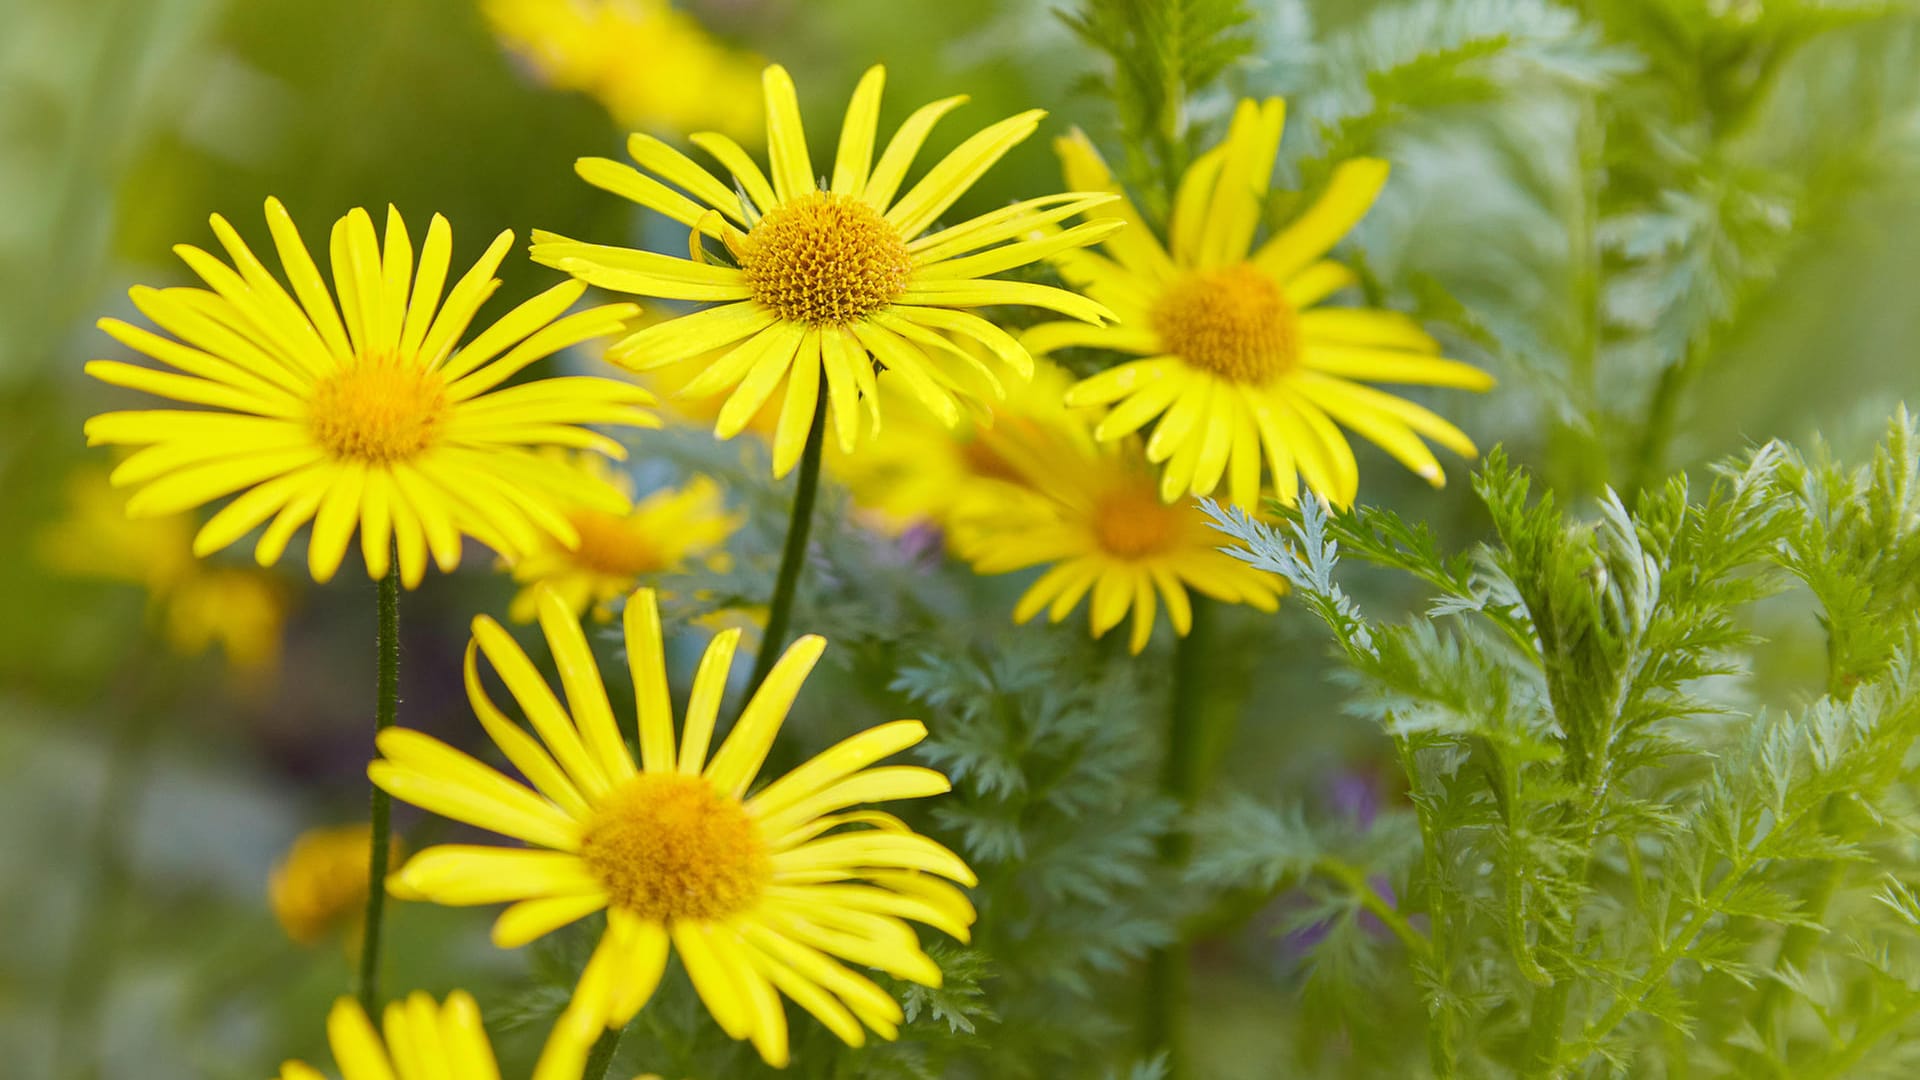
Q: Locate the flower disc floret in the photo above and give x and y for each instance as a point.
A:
(670, 846)
(380, 409)
(825, 260)
(1233, 322)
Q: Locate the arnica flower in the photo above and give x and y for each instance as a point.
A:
(761, 896)
(825, 279)
(320, 886)
(1237, 357)
(1091, 512)
(425, 1040)
(918, 471)
(663, 531)
(651, 67)
(368, 415)
(195, 605)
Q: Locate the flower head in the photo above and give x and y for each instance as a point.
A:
(661, 533)
(1239, 361)
(826, 282)
(426, 1040)
(321, 884)
(365, 416)
(651, 67)
(195, 604)
(1090, 511)
(760, 895)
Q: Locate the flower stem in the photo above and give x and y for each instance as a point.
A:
(1193, 732)
(367, 983)
(794, 556)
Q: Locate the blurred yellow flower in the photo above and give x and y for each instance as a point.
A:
(320, 885)
(615, 550)
(1236, 356)
(651, 67)
(426, 1040)
(195, 604)
(823, 283)
(1091, 511)
(916, 470)
(363, 416)
(757, 895)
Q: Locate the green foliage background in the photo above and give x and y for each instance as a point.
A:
(1630, 718)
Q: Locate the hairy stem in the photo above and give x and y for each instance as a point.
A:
(380, 806)
(794, 556)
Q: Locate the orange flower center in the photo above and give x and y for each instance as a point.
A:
(1132, 523)
(669, 846)
(824, 259)
(610, 545)
(379, 409)
(1233, 322)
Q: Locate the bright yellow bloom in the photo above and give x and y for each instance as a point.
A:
(366, 415)
(429, 1041)
(758, 895)
(1237, 358)
(650, 66)
(917, 470)
(824, 279)
(195, 604)
(615, 550)
(321, 884)
(1091, 511)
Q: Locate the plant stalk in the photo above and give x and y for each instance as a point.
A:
(600, 1058)
(794, 557)
(380, 805)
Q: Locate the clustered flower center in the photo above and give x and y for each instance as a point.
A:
(609, 544)
(671, 846)
(379, 409)
(824, 259)
(1233, 322)
(1132, 523)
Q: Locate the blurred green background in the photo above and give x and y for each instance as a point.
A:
(124, 123)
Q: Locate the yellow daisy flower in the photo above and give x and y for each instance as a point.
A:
(1092, 512)
(196, 605)
(759, 895)
(321, 883)
(648, 65)
(434, 1041)
(1237, 357)
(363, 416)
(826, 278)
(663, 531)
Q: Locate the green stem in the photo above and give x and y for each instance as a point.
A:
(367, 984)
(1354, 880)
(600, 1058)
(1192, 737)
(794, 557)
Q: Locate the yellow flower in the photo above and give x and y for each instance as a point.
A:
(196, 605)
(824, 279)
(664, 529)
(321, 884)
(363, 416)
(650, 66)
(429, 1041)
(1237, 358)
(917, 470)
(758, 895)
(1091, 511)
